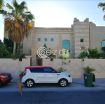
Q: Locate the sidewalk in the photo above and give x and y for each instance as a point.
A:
(77, 85)
(100, 82)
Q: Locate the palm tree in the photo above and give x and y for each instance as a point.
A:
(102, 5)
(1, 4)
(18, 22)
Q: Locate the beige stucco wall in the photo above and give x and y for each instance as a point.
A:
(97, 34)
(27, 43)
(13, 66)
(58, 35)
(80, 31)
(75, 66)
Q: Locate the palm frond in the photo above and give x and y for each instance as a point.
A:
(3, 12)
(1, 3)
(9, 6)
(15, 4)
(101, 4)
(20, 16)
(23, 4)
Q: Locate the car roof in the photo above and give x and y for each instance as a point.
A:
(29, 67)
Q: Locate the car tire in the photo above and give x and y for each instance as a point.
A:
(63, 82)
(0, 84)
(29, 83)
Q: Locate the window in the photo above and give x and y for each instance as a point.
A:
(49, 70)
(52, 39)
(36, 70)
(103, 43)
(81, 40)
(39, 39)
(45, 39)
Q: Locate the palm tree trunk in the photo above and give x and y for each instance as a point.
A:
(14, 48)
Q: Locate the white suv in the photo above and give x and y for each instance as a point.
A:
(44, 74)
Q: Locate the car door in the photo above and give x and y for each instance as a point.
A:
(38, 75)
(50, 75)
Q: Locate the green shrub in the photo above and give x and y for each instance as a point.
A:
(61, 69)
(9, 44)
(88, 70)
(83, 54)
(93, 53)
(4, 53)
(102, 55)
(90, 53)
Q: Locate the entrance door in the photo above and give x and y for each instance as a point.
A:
(65, 49)
(66, 44)
(38, 61)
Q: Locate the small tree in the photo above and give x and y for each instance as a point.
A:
(88, 70)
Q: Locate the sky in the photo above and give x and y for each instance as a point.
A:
(61, 13)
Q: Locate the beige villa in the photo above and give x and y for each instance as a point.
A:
(80, 36)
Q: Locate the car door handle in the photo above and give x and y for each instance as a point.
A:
(58, 74)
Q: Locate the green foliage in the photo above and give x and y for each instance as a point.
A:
(102, 55)
(88, 70)
(4, 53)
(18, 21)
(102, 5)
(93, 53)
(45, 45)
(103, 49)
(18, 56)
(83, 54)
(65, 54)
(9, 44)
(61, 69)
(1, 3)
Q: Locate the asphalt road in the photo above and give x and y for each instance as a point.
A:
(52, 94)
(54, 97)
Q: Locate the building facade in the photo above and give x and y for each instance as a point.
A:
(82, 35)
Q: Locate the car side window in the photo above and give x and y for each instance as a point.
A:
(49, 70)
(36, 70)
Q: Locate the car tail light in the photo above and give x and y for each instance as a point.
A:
(2, 76)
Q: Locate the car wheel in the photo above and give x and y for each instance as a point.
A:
(0, 84)
(29, 83)
(63, 82)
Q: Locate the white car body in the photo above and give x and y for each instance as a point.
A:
(46, 77)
